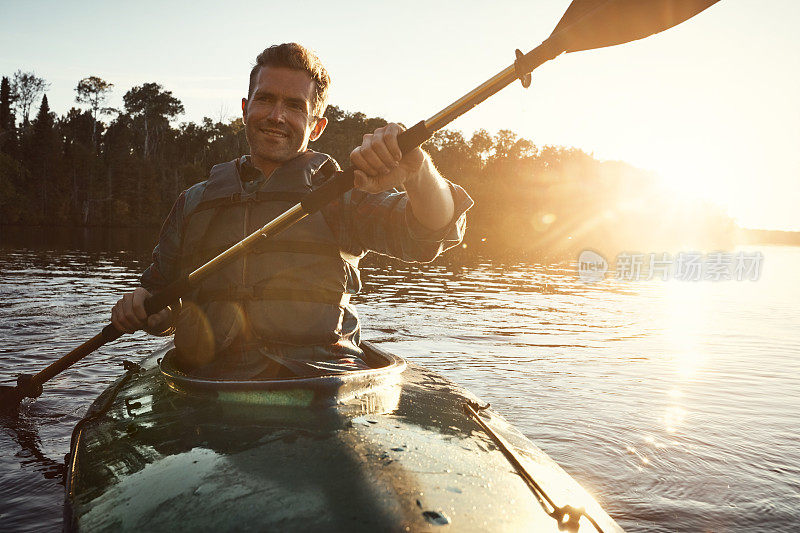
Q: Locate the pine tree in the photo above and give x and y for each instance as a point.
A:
(45, 153)
(7, 126)
(44, 119)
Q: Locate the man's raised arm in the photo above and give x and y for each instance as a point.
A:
(381, 166)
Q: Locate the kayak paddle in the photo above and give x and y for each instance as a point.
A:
(586, 25)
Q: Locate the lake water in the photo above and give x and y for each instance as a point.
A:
(676, 404)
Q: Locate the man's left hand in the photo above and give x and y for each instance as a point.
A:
(378, 163)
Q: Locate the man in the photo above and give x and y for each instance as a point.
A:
(286, 305)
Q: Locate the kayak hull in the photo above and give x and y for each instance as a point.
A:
(392, 450)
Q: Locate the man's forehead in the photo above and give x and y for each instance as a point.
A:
(290, 82)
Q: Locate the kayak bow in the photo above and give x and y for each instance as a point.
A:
(388, 449)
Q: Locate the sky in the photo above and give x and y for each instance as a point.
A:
(711, 105)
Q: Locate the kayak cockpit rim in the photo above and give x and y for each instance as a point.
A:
(385, 369)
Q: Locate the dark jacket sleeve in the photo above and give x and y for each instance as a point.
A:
(165, 267)
(384, 223)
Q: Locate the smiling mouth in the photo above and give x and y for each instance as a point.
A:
(277, 134)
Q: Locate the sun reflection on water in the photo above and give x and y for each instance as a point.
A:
(687, 314)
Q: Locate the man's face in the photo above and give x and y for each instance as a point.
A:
(278, 116)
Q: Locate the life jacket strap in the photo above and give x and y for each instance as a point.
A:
(204, 254)
(264, 293)
(259, 196)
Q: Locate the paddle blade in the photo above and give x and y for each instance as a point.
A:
(589, 24)
(10, 398)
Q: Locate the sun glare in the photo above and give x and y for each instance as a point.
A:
(687, 310)
(693, 181)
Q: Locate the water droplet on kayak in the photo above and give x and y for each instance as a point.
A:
(436, 518)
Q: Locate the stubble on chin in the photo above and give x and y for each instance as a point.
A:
(271, 152)
(276, 154)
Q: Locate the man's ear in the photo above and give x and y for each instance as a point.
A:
(319, 127)
(244, 110)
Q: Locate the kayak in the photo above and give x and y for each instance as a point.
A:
(392, 448)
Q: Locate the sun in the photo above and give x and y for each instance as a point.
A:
(693, 181)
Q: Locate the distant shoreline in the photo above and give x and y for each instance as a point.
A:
(144, 237)
(764, 236)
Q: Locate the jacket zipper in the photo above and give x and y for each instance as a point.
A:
(244, 234)
(246, 229)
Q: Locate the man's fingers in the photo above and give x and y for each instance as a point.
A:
(127, 308)
(156, 320)
(118, 318)
(376, 160)
(381, 150)
(129, 317)
(164, 314)
(391, 141)
(138, 304)
(372, 158)
(360, 163)
(128, 314)
(365, 183)
(115, 319)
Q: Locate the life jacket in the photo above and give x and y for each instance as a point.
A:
(292, 289)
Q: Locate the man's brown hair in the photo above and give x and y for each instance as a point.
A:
(297, 57)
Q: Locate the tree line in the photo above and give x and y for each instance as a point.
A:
(99, 166)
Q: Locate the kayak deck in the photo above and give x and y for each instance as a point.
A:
(389, 450)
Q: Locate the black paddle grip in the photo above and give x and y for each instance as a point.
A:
(342, 182)
(167, 296)
(413, 137)
(110, 333)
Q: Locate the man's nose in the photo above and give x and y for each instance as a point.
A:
(277, 112)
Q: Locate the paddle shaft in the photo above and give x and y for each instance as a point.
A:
(108, 334)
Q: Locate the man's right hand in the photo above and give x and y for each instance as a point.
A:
(128, 314)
